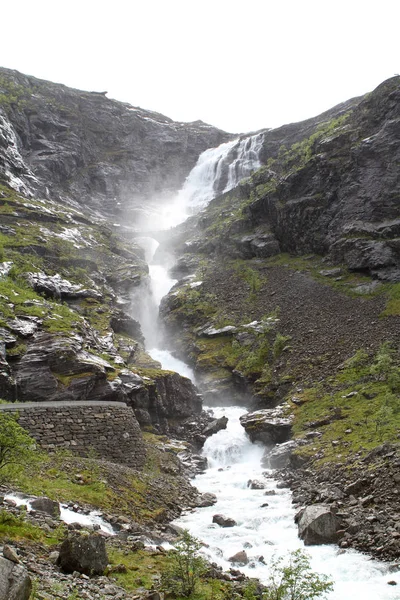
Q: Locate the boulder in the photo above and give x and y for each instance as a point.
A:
(15, 583)
(83, 553)
(45, 505)
(318, 525)
(255, 484)
(268, 426)
(283, 456)
(215, 426)
(240, 558)
(223, 521)
(207, 499)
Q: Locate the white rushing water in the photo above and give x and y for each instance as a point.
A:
(66, 514)
(263, 531)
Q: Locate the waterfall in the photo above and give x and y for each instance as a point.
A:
(264, 517)
(220, 169)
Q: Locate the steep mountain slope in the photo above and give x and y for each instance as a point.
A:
(86, 150)
(289, 302)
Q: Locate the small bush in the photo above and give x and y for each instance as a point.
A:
(185, 566)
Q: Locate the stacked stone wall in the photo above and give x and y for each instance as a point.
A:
(107, 430)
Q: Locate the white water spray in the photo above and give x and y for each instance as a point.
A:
(265, 523)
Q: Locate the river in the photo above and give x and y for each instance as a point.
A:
(264, 518)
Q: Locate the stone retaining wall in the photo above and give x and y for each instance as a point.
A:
(107, 429)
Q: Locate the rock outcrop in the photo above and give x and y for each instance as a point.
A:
(100, 154)
(268, 426)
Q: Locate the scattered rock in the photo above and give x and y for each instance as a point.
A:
(83, 553)
(223, 521)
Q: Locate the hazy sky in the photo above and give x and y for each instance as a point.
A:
(239, 65)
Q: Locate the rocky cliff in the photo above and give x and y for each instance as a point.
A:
(288, 301)
(91, 152)
(68, 161)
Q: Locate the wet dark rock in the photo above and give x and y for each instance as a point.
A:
(240, 558)
(215, 426)
(83, 553)
(125, 324)
(15, 583)
(255, 484)
(223, 521)
(45, 505)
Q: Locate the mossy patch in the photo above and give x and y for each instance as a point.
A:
(355, 410)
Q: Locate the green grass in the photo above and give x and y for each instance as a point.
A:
(16, 528)
(358, 407)
(393, 302)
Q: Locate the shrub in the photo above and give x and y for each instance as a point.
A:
(295, 580)
(185, 566)
(15, 443)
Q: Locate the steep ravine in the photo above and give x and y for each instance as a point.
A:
(287, 298)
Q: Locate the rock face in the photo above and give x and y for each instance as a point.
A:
(15, 583)
(43, 504)
(83, 553)
(319, 525)
(95, 152)
(267, 426)
(342, 201)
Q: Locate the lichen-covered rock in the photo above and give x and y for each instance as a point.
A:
(83, 553)
(15, 583)
(268, 426)
(318, 525)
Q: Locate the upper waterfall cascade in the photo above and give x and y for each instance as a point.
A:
(220, 169)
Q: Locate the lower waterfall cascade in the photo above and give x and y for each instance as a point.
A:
(264, 523)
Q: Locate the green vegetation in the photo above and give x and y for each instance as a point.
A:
(294, 580)
(16, 527)
(16, 446)
(185, 567)
(393, 302)
(12, 95)
(356, 409)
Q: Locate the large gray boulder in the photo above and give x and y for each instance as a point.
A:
(268, 426)
(15, 583)
(318, 525)
(83, 553)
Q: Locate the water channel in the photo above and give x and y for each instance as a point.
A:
(265, 518)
